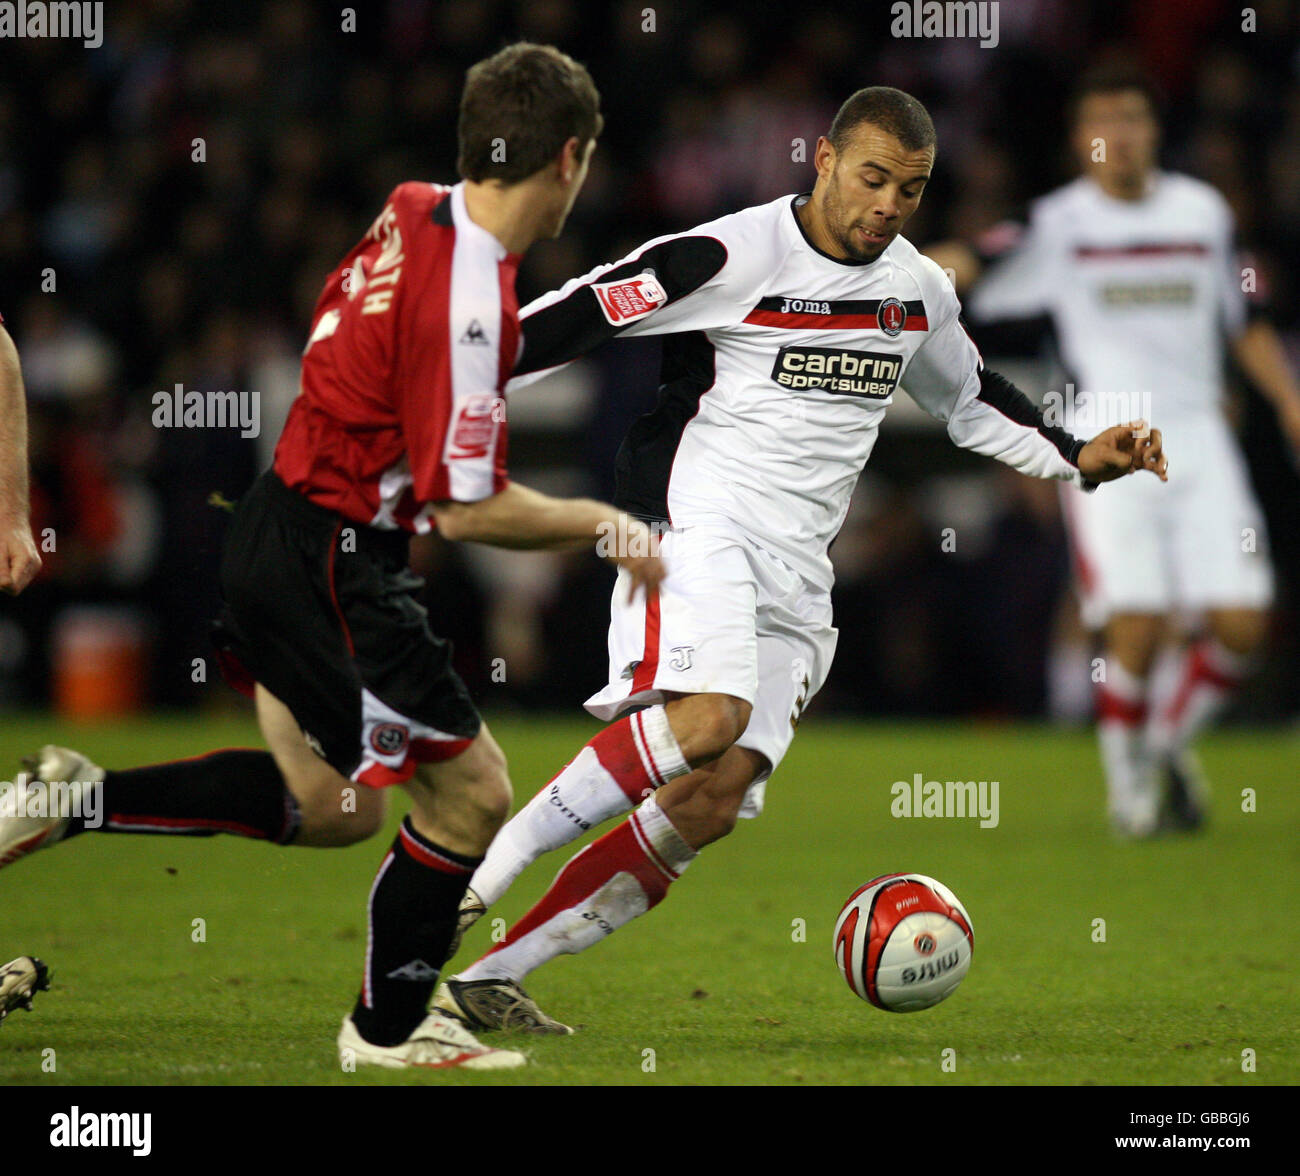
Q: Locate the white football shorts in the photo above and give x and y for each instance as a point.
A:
(729, 618)
(1197, 542)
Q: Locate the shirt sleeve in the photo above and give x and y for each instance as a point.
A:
(690, 281)
(984, 411)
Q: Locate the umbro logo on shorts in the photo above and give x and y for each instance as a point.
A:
(416, 970)
(834, 369)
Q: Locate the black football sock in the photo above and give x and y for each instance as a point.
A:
(413, 909)
(240, 792)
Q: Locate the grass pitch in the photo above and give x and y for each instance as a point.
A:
(731, 980)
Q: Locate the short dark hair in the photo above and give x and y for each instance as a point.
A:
(891, 110)
(1115, 76)
(518, 109)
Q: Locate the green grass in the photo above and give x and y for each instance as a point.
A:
(1198, 964)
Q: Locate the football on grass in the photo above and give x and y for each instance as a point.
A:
(903, 942)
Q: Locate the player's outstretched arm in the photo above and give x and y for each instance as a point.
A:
(1121, 450)
(525, 519)
(19, 560)
(1261, 356)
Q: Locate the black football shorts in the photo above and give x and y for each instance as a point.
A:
(322, 612)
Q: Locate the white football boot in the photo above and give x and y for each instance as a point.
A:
(495, 1004)
(439, 1042)
(1137, 817)
(20, 980)
(21, 833)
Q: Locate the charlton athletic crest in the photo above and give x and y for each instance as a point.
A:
(892, 317)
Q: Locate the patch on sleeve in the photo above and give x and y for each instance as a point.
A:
(474, 431)
(631, 298)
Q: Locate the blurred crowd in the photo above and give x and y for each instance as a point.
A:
(171, 202)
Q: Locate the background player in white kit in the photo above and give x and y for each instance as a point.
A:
(1138, 272)
(790, 325)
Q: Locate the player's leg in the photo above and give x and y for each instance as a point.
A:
(287, 795)
(686, 656)
(332, 809)
(1222, 556)
(1131, 641)
(615, 879)
(418, 729)
(611, 775)
(1212, 669)
(1119, 539)
(456, 808)
(628, 871)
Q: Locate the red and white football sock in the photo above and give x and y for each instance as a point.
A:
(1121, 730)
(614, 773)
(1209, 676)
(604, 886)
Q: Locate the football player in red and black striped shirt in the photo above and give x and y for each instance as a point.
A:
(400, 426)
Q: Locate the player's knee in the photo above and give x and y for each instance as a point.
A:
(715, 722)
(487, 795)
(1242, 631)
(491, 799)
(339, 816)
(1133, 640)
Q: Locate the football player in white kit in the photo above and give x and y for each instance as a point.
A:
(1137, 271)
(789, 327)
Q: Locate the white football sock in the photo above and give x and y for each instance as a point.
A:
(1209, 676)
(603, 887)
(1121, 723)
(621, 766)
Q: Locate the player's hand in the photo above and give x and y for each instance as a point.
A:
(1124, 449)
(638, 554)
(647, 573)
(19, 559)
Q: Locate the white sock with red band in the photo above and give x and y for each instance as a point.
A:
(618, 769)
(1121, 725)
(609, 883)
(1209, 676)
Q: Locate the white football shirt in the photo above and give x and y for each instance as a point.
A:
(1142, 295)
(781, 363)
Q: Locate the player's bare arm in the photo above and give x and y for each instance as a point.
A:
(1262, 358)
(528, 520)
(19, 559)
